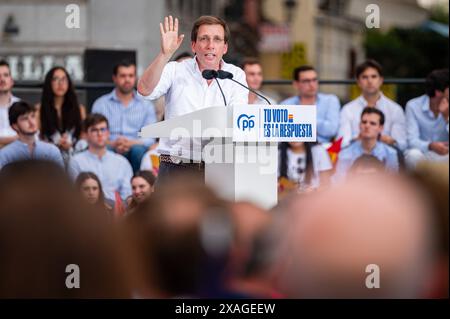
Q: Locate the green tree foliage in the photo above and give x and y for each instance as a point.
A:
(408, 53)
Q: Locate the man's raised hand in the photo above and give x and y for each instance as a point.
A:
(170, 41)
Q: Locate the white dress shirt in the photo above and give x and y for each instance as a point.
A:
(187, 91)
(5, 128)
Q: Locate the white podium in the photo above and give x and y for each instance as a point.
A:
(248, 166)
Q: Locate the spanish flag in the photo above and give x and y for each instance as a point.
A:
(334, 150)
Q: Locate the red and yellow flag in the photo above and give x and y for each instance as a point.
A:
(334, 150)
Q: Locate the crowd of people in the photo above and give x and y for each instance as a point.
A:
(183, 241)
(92, 150)
(81, 179)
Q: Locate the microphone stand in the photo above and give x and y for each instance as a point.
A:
(220, 88)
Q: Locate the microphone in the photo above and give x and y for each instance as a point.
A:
(213, 74)
(228, 75)
(209, 74)
(221, 74)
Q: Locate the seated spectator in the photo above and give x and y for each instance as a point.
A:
(328, 106)
(127, 114)
(427, 122)
(7, 134)
(369, 77)
(91, 190)
(254, 77)
(22, 119)
(112, 169)
(306, 164)
(142, 186)
(60, 114)
(371, 127)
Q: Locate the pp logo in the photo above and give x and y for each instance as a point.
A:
(245, 122)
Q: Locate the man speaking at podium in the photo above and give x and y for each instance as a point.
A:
(186, 90)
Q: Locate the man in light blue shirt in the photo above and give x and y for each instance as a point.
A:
(369, 77)
(328, 105)
(371, 127)
(22, 118)
(427, 122)
(113, 170)
(127, 113)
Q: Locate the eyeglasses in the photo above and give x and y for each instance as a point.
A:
(60, 80)
(206, 39)
(98, 130)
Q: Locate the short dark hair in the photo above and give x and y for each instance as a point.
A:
(209, 20)
(94, 119)
(300, 69)
(4, 63)
(19, 108)
(124, 63)
(373, 110)
(436, 80)
(368, 64)
(249, 61)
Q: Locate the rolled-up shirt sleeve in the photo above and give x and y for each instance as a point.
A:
(165, 82)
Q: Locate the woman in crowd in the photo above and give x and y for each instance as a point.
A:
(91, 190)
(305, 164)
(61, 115)
(142, 186)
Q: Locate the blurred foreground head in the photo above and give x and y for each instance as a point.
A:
(251, 251)
(183, 233)
(433, 177)
(331, 237)
(254, 251)
(44, 227)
